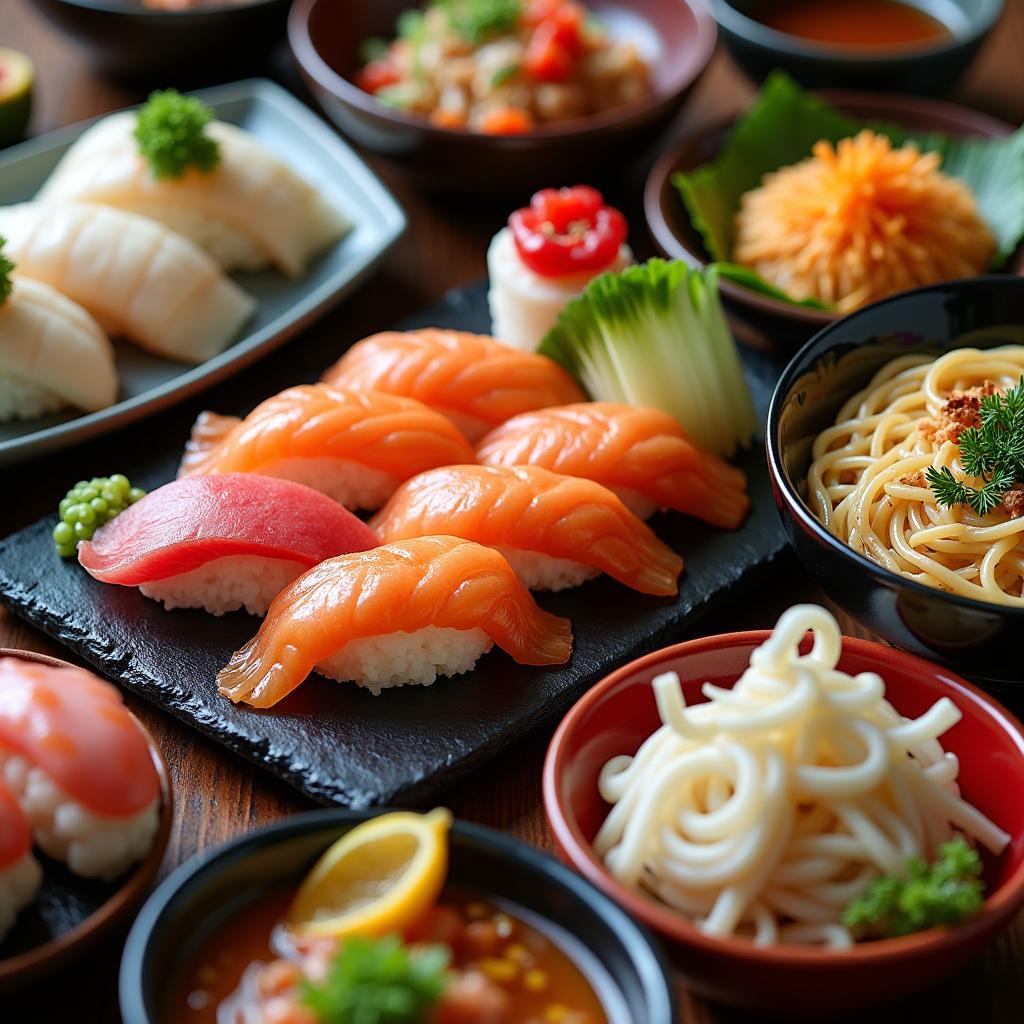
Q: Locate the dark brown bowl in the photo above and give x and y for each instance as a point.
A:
(761, 318)
(675, 37)
(125, 896)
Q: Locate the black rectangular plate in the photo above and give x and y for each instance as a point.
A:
(338, 743)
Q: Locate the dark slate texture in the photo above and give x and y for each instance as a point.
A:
(338, 743)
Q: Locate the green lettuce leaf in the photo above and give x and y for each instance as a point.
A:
(784, 123)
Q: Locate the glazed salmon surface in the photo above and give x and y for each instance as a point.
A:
(475, 379)
(402, 587)
(627, 448)
(76, 728)
(383, 432)
(533, 509)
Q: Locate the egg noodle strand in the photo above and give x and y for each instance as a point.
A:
(764, 811)
(866, 479)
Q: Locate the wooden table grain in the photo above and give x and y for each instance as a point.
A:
(219, 796)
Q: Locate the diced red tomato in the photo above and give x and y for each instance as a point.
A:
(538, 10)
(376, 75)
(568, 27)
(547, 58)
(568, 231)
(506, 121)
(472, 999)
(448, 118)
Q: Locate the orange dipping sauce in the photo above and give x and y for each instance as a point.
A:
(867, 24)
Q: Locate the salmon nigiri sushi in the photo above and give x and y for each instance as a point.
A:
(354, 446)
(20, 873)
(642, 454)
(475, 381)
(79, 765)
(556, 531)
(403, 613)
(222, 542)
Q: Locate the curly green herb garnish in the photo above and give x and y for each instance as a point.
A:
(992, 452)
(942, 893)
(6, 267)
(477, 20)
(90, 504)
(379, 982)
(171, 133)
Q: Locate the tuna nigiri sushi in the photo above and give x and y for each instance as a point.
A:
(356, 447)
(556, 531)
(222, 542)
(20, 873)
(52, 354)
(403, 613)
(79, 765)
(137, 278)
(642, 454)
(249, 210)
(475, 381)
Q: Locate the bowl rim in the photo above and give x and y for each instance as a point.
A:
(312, 63)
(642, 947)
(658, 185)
(676, 929)
(750, 30)
(136, 10)
(785, 487)
(22, 968)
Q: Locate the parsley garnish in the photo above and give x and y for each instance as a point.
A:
(477, 20)
(379, 981)
(171, 133)
(993, 452)
(941, 893)
(6, 266)
(505, 74)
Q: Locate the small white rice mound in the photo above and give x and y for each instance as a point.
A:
(347, 483)
(639, 504)
(538, 571)
(19, 883)
(231, 248)
(227, 584)
(92, 845)
(407, 659)
(21, 399)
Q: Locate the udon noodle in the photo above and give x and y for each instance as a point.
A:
(866, 480)
(763, 812)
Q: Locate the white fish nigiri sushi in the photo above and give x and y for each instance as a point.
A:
(250, 210)
(20, 873)
(79, 766)
(139, 279)
(52, 354)
(546, 256)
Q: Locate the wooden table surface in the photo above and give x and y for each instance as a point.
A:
(219, 796)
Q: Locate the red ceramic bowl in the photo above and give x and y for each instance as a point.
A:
(765, 319)
(619, 713)
(675, 37)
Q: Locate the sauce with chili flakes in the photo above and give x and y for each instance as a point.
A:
(862, 23)
(246, 963)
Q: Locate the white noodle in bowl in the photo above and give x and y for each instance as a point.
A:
(761, 813)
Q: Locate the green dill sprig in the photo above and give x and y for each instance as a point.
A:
(6, 268)
(379, 981)
(942, 893)
(171, 133)
(993, 452)
(478, 20)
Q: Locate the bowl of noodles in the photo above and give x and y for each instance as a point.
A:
(743, 794)
(886, 441)
(814, 205)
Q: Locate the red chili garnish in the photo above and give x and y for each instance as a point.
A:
(568, 231)
(547, 59)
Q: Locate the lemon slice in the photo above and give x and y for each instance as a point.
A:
(379, 878)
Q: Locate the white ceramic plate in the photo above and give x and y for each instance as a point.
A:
(284, 307)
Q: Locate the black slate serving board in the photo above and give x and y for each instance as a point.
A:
(338, 743)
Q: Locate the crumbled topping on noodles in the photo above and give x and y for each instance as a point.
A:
(1013, 501)
(961, 410)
